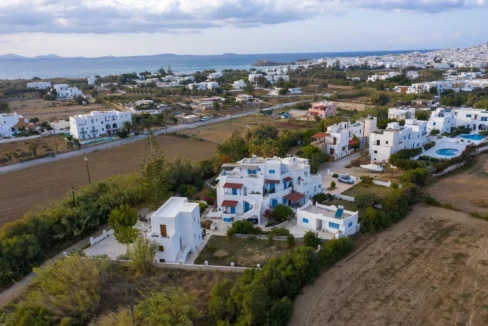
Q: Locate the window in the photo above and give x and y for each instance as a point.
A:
(162, 260)
(350, 224)
(161, 248)
(376, 152)
(162, 229)
(434, 123)
(271, 171)
(386, 142)
(378, 142)
(484, 118)
(305, 220)
(334, 225)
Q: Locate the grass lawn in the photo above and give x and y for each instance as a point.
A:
(364, 189)
(347, 205)
(222, 251)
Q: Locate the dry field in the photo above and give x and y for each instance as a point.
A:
(45, 145)
(352, 106)
(221, 131)
(45, 111)
(36, 187)
(466, 190)
(429, 269)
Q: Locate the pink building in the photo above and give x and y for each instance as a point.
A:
(324, 109)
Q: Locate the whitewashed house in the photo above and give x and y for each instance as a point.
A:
(254, 77)
(39, 85)
(214, 75)
(63, 91)
(273, 79)
(239, 84)
(475, 119)
(384, 143)
(203, 86)
(91, 80)
(331, 219)
(401, 113)
(295, 91)
(175, 228)
(442, 119)
(10, 124)
(97, 124)
(249, 187)
(244, 98)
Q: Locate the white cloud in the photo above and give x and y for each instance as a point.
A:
(128, 16)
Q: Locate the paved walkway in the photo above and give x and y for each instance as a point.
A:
(120, 142)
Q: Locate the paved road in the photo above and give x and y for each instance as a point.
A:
(120, 142)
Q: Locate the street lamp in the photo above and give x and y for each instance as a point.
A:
(87, 169)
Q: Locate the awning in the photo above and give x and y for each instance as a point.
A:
(320, 135)
(294, 196)
(288, 179)
(229, 203)
(271, 181)
(233, 185)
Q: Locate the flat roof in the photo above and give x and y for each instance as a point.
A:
(173, 206)
(327, 212)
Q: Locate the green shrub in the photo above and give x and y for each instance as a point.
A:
(243, 227)
(333, 184)
(335, 175)
(311, 239)
(281, 213)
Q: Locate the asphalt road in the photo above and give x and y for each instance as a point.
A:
(120, 142)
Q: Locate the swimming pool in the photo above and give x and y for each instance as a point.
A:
(473, 137)
(447, 152)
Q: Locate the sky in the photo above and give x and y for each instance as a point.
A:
(93, 28)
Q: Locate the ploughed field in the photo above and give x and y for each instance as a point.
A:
(36, 187)
(466, 190)
(429, 269)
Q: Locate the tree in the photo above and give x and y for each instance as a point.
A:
(315, 156)
(241, 227)
(232, 149)
(123, 317)
(281, 213)
(170, 72)
(141, 254)
(33, 148)
(4, 107)
(434, 90)
(155, 174)
(162, 71)
(122, 219)
(170, 307)
(283, 91)
(311, 239)
(333, 184)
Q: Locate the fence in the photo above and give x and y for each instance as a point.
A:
(449, 169)
(343, 197)
(382, 183)
(104, 235)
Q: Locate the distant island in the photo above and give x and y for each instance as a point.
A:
(267, 63)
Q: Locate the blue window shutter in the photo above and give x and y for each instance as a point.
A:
(305, 220)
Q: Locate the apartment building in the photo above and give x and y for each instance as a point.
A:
(442, 119)
(383, 143)
(475, 119)
(249, 187)
(330, 219)
(273, 79)
(175, 228)
(98, 124)
(63, 91)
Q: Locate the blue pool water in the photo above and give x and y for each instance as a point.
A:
(473, 137)
(447, 152)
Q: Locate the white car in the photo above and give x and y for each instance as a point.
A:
(346, 179)
(204, 119)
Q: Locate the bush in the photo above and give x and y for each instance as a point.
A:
(319, 198)
(435, 132)
(333, 184)
(311, 239)
(206, 224)
(290, 240)
(243, 227)
(335, 175)
(281, 213)
(141, 254)
(419, 176)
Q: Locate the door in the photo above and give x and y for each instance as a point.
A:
(232, 210)
(246, 207)
(234, 191)
(274, 203)
(162, 228)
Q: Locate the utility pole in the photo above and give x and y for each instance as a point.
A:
(54, 129)
(87, 169)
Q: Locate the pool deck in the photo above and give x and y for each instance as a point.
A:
(471, 141)
(444, 143)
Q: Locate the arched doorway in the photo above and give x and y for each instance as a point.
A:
(482, 127)
(114, 126)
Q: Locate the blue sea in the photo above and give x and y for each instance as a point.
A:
(27, 68)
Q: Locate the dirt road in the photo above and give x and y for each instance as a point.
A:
(36, 187)
(429, 269)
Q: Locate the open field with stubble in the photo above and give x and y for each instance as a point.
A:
(429, 269)
(36, 187)
(219, 132)
(467, 189)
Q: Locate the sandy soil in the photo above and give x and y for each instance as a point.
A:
(351, 106)
(429, 269)
(45, 111)
(45, 145)
(220, 132)
(36, 187)
(462, 188)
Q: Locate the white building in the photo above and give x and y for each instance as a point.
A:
(39, 85)
(339, 139)
(63, 91)
(442, 119)
(10, 123)
(254, 77)
(458, 85)
(383, 143)
(331, 219)
(412, 74)
(97, 124)
(401, 113)
(203, 86)
(273, 79)
(91, 80)
(244, 98)
(214, 75)
(175, 227)
(389, 75)
(295, 91)
(475, 119)
(239, 84)
(256, 184)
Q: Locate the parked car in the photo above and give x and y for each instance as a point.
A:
(346, 179)
(253, 220)
(204, 119)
